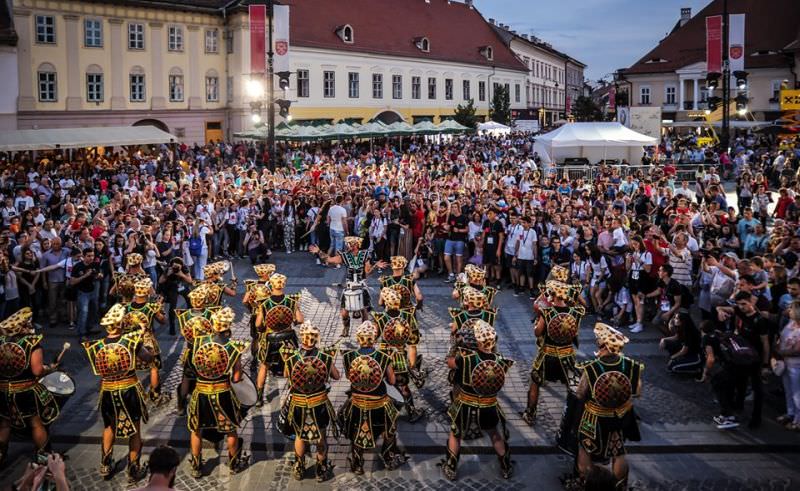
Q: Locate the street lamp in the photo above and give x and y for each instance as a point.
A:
(255, 88)
(256, 118)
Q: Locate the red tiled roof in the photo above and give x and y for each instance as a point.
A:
(770, 25)
(389, 27)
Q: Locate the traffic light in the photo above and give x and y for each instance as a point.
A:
(712, 80)
(713, 103)
(283, 79)
(284, 106)
(741, 79)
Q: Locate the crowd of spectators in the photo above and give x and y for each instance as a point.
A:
(695, 244)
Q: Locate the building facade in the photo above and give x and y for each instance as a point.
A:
(183, 65)
(554, 79)
(8, 67)
(672, 76)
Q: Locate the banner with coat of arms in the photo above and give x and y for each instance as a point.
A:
(281, 38)
(736, 51)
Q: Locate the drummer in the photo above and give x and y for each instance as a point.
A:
(24, 402)
(608, 385)
(212, 274)
(399, 335)
(475, 278)
(307, 411)
(263, 271)
(122, 404)
(480, 375)
(358, 268)
(139, 314)
(124, 282)
(196, 319)
(403, 283)
(213, 406)
(274, 320)
(556, 331)
(369, 412)
(475, 307)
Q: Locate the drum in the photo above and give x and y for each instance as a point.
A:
(353, 297)
(567, 435)
(245, 391)
(61, 385)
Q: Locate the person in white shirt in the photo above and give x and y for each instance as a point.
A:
(525, 257)
(337, 222)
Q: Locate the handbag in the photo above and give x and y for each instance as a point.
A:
(737, 350)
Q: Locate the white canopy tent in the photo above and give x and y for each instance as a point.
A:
(593, 141)
(494, 128)
(116, 136)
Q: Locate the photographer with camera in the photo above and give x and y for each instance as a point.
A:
(48, 472)
(174, 282)
(84, 276)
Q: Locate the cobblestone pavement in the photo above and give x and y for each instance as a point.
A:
(679, 450)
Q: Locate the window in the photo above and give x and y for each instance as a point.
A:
(47, 83)
(93, 33)
(212, 41)
(669, 95)
(329, 84)
(424, 44)
(775, 90)
(644, 95)
(353, 85)
(465, 92)
(229, 41)
(212, 88)
(94, 86)
(176, 85)
(416, 87)
(137, 86)
(397, 86)
(45, 29)
(346, 33)
(431, 87)
(448, 89)
(302, 83)
(229, 89)
(377, 86)
(135, 36)
(517, 92)
(488, 52)
(175, 38)
(481, 91)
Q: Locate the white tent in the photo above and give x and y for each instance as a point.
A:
(114, 136)
(593, 141)
(494, 128)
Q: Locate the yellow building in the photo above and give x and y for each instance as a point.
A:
(182, 65)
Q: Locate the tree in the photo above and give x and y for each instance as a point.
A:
(500, 111)
(465, 115)
(585, 109)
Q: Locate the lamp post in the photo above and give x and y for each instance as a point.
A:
(726, 79)
(270, 90)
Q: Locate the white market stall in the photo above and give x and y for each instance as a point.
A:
(592, 141)
(112, 136)
(494, 128)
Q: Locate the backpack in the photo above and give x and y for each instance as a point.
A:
(195, 246)
(737, 350)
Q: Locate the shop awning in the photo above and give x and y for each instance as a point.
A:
(108, 136)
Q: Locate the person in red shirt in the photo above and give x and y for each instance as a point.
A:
(783, 203)
(655, 245)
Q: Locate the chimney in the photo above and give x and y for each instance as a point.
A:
(491, 21)
(686, 15)
(469, 4)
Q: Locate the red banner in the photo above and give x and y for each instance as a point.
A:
(612, 99)
(258, 38)
(714, 44)
(568, 104)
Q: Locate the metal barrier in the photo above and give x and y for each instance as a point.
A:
(686, 172)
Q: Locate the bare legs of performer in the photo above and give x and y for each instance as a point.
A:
(529, 415)
(155, 394)
(391, 455)
(501, 448)
(136, 471)
(346, 321)
(236, 461)
(185, 389)
(324, 469)
(619, 466)
(261, 382)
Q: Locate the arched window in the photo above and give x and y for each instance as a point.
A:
(423, 44)
(48, 83)
(212, 86)
(94, 84)
(345, 33)
(137, 84)
(176, 85)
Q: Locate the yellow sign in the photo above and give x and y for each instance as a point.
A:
(790, 99)
(704, 140)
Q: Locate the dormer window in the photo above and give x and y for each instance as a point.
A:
(656, 60)
(488, 52)
(423, 44)
(345, 33)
